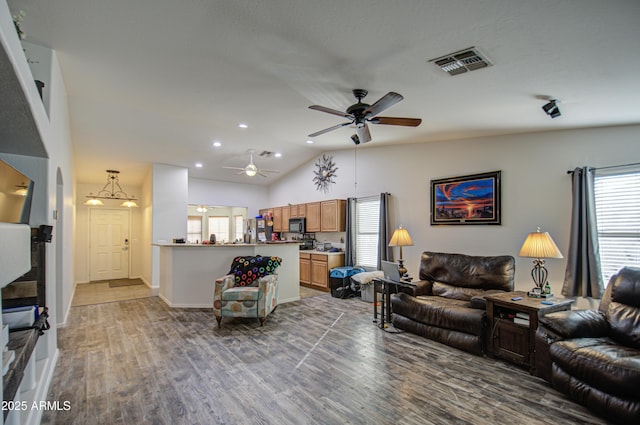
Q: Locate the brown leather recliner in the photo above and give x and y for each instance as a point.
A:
(448, 302)
(594, 356)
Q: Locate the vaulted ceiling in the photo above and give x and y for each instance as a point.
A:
(160, 81)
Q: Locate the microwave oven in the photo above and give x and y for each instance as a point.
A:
(297, 225)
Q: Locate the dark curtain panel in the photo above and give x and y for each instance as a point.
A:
(583, 276)
(350, 242)
(384, 231)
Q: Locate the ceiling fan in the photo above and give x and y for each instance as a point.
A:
(362, 113)
(251, 169)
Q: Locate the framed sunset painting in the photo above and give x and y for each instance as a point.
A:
(472, 199)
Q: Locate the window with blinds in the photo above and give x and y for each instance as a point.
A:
(367, 218)
(219, 226)
(194, 228)
(617, 198)
(238, 228)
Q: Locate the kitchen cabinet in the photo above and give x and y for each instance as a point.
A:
(313, 217)
(333, 215)
(319, 266)
(286, 214)
(277, 220)
(305, 268)
(301, 210)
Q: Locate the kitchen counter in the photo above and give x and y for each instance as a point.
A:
(225, 245)
(313, 251)
(188, 271)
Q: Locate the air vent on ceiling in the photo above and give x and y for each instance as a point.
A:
(266, 154)
(462, 61)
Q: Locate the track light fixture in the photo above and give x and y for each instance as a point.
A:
(552, 109)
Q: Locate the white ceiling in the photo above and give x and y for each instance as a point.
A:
(159, 80)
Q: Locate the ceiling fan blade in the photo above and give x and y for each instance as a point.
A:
(269, 171)
(326, 130)
(234, 168)
(262, 174)
(386, 101)
(329, 111)
(363, 133)
(407, 122)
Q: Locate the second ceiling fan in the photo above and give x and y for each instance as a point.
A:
(361, 113)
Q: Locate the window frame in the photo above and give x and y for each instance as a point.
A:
(369, 258)
(610, 218)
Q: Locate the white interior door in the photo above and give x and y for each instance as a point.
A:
(109, 245)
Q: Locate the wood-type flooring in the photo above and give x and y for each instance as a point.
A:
(320, 360)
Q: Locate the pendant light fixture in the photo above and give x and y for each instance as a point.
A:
(115, 192)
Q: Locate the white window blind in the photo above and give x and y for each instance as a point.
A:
(194, 228)
(238, 228)
(618, 212)
(367, 218)
(219, 226)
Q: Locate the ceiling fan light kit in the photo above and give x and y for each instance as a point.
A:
(251, 170)
(360, 113)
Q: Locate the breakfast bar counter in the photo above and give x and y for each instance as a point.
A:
(188, 271)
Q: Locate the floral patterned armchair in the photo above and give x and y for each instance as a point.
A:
(249, 290)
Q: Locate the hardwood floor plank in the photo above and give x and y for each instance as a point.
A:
(319, 360)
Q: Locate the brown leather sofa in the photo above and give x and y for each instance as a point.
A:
(447, 304)
(594, 356)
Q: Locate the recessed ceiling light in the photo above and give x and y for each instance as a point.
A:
(278, 154)
(243, 125)
(198, 164)
(310, 142)
(217, 144)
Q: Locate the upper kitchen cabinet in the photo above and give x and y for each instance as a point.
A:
(313, 217)
(286, 214)
(277, 220)
(333, 215)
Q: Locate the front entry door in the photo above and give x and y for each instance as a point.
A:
(109, 244)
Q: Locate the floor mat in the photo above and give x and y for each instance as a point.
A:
(119, 283)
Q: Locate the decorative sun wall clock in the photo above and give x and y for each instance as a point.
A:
(325, 173)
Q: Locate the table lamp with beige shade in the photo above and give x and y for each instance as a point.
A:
(401, 238)
(539, 245)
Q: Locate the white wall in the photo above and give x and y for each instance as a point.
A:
(170, 186)
(211, 192)
(536, 189)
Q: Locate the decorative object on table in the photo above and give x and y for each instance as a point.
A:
(325, 173)
(251, 169)
(114, 192)
(539, 245)
(401, 238)
(472, 199)
(361, 113)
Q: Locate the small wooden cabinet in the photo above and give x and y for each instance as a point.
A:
(313, 217)
(513, 325)
(333, 215)
(305, 268)
(315, 268)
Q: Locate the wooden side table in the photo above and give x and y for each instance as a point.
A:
(513, 325)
